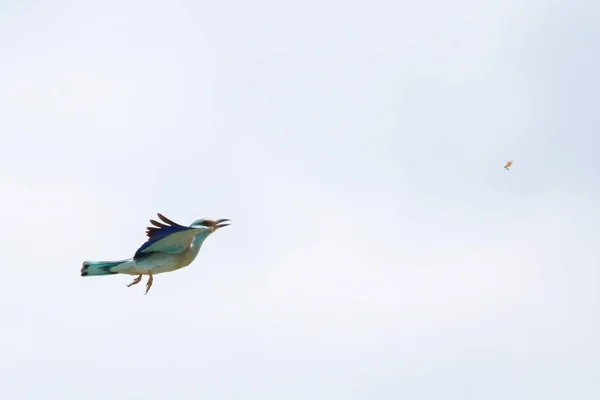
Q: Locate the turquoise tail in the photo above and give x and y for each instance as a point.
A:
(99, 268)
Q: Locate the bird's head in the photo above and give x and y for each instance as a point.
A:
(211, 225)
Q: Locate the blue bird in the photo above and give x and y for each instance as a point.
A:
(169, 247)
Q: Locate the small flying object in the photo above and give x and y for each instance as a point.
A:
(508, 164)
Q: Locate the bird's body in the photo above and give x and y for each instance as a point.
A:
(508, 164)
(170, 247)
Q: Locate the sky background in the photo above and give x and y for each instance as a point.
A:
(378, 248)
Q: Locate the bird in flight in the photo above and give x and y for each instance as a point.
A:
(508, 164)
(169, 247)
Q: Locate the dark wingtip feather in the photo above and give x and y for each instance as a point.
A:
(152, 230)
(156, 223)
(167, 220)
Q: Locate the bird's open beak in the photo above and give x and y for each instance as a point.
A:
(220, 223)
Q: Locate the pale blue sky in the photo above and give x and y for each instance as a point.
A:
(378, 248)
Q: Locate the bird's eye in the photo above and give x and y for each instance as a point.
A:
(203, 222)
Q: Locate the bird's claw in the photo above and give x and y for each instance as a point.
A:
(135, 281)
(149, 284)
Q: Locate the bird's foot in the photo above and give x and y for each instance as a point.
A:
(149, 284)
(135, 281)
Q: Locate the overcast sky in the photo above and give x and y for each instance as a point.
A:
(378, 248)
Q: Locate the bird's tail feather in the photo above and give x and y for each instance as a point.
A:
(99, 268)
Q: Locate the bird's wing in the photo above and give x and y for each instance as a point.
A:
(508, 164)
(166, 237)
